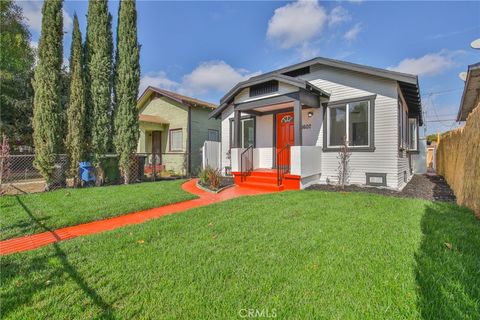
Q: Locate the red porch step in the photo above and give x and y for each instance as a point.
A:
(266, 179)
(262, 179)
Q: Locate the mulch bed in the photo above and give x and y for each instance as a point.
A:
(422, 186)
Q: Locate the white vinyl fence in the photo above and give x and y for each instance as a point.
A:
(211, 155)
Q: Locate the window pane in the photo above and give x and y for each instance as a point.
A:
(176, 140)
(248, 133)
(412, 127)
(212, 135)
(358, 123)
(337, 125)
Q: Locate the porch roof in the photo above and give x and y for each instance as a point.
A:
(152, 119)
(299, 83)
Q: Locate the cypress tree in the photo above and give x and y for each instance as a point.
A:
(98, 55)
(47, 82)
(76, 110)
(127, 80)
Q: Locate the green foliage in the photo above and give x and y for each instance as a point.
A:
(210, 177)
(98, 57)
(127, 80)
(16, 70)
(75, 141)
(47, 113)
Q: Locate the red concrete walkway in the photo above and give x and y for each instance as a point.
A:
(42, 239)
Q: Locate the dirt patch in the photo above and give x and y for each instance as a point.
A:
(421, 186)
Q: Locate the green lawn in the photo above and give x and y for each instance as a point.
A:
(33, 213)
(300, 255)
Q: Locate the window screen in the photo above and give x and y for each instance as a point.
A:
(212, 135)
(176, 140)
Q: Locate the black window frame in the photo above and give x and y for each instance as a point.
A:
(232, 130)
(371, 122)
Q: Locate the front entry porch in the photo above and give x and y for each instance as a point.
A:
(279, 157)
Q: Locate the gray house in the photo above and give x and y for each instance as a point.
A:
(284, 129)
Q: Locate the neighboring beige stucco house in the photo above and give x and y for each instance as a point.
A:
(173, 128)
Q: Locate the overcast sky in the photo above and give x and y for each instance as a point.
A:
(202, 49)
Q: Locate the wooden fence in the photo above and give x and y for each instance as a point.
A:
(458, 161)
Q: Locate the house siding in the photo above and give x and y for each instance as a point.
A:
(343, 85)
(199, 134)
(177, 116)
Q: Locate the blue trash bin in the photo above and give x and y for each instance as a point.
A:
(87, 172)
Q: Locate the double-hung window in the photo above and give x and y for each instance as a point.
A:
(176, 140)
(412, 134)
(350, 121)
(247, 132)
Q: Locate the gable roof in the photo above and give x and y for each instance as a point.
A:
(471, 92)
(297, 82)
(408, 82)
(174, 96)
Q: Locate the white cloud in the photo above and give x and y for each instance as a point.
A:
(159, 80)
(337, 16)
(307, 51)
(213, 76)
(207, 78)
(32, 10)
(296, 23)
(352, 34)
(427, 65)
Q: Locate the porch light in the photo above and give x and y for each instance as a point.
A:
(310, 114)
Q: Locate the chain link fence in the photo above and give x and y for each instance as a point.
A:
(18, 173)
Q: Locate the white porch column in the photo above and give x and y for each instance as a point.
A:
(297, 118)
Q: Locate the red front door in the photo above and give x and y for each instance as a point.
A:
(285, 136)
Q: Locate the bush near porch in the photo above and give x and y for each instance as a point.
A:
(302, 254)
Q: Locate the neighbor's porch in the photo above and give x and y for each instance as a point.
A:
(154, 143)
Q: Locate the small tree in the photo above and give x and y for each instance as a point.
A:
(343, 163)
(47, 111)
(75, 141)
(127, 80)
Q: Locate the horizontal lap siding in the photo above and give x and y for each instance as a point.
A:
(227, 114)
(345, 85)
(199, 126)
(283, 88)
(403, 163)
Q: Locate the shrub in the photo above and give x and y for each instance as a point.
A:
(210, 178)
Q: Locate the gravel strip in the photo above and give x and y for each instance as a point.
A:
(422, 186)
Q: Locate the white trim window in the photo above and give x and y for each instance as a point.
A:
(350, 121)
(412, 134)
